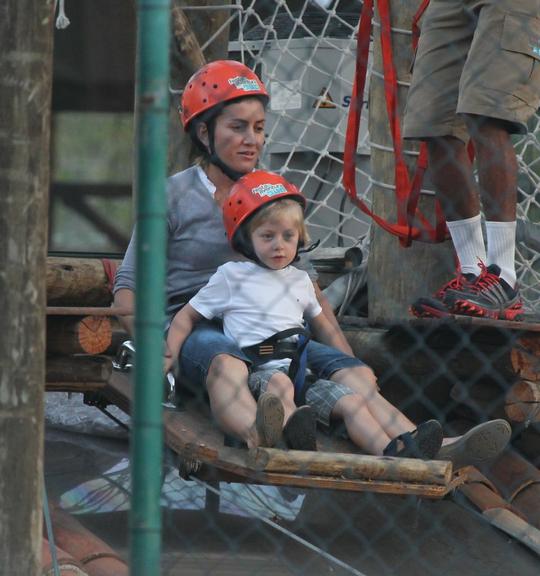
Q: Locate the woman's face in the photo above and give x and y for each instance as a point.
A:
(239, 134)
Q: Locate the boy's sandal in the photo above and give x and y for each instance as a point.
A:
(300, 432)
(424, 442)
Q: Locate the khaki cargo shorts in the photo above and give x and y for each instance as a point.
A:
(477, 57)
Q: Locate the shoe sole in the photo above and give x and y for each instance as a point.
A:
(466, 308)
(269, 420)
(479, 445)
(429, 437)
(300, 432)
(429, 308)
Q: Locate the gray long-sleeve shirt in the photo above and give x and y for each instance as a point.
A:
(196, 238)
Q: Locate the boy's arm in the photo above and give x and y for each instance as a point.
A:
(325, 332)
(181, 327)
(339, 340)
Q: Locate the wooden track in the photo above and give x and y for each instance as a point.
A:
(192, 435)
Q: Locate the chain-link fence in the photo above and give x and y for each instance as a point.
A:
(226, 513)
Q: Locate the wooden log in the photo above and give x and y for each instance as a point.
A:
(97, 558)
(78, 282)
(526, 358)
(88, 311)
(74, 335)
(67, 565)
(78, 369)
(515, 526)
(522, 403)
(351, 466)
(518, 481)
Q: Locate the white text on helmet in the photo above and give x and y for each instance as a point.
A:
(243, 83)
(269, 189)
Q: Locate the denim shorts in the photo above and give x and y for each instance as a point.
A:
(202, 345)
(322, 393)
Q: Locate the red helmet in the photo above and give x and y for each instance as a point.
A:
(252, 192)
(217, 82)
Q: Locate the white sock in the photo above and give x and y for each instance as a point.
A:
(469, 243)
(501, 248)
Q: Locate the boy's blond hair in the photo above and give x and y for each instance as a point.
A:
(276, 209)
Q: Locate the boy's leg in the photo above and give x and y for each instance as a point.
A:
(363, 429)
(210, 359)
(276, 382)
(387, 416)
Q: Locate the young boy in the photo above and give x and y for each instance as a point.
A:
(267, 295)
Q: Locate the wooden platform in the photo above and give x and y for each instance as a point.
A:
(201, 450)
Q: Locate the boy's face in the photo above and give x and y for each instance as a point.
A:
(275, 241)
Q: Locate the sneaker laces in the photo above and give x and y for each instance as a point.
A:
(485, 280)
(457, 283)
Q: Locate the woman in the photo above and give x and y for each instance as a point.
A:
(223, 110)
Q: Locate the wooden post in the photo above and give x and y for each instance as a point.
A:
(26, 78)
(397, 276)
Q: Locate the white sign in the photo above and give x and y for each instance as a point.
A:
(286, 95)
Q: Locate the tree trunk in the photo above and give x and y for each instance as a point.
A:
(191, 29)
(26, 76)
(397, 276)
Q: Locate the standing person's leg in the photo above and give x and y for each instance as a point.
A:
(446, 35)
(499, 91)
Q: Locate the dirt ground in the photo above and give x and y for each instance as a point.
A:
(348, 533)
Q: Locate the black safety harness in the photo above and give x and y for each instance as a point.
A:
(279, 346)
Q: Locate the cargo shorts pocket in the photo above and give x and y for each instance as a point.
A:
(521, 38)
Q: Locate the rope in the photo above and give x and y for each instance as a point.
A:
(283, 530)
(62, 21)
(407, 189)
(50, 535)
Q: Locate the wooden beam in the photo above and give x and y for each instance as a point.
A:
(351, 466)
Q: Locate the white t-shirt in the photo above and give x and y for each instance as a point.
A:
(256, 302)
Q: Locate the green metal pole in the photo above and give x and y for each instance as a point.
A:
(152, 106)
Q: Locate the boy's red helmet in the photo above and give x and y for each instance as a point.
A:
(252, 192)
(215, 83)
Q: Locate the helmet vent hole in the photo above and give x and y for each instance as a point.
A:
(204, 83)
(215, 86)
(205, 100)
(239, 201)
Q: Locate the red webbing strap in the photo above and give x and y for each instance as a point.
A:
(407, 192)
(109, 267)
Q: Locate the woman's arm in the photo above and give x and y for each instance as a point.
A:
(181, 327)
(338, 338)
(125, 298)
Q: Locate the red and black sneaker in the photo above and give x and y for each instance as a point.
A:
(435, 306)
(489, 296)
